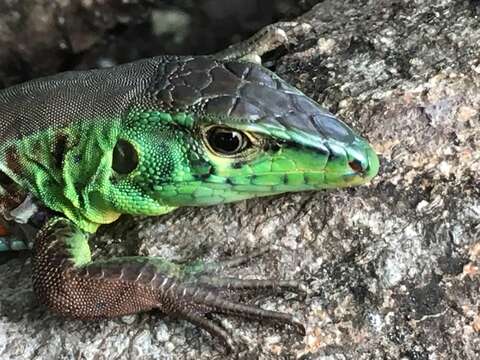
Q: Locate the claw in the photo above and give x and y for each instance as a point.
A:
(272, 286)
(240, 260)
(302, 290)
(213, 328)
(260, 252)
(194, 302)
(196, 297)
(299, 326)
(229, 346)
(219, 266)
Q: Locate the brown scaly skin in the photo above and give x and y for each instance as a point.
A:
(120, 287)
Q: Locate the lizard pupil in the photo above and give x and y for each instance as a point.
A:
(226, 141)
(125, 157)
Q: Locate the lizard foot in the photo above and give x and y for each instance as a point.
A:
(67, 280)
(207, 294)
(267, 39)
(197, 302)
(205, 273)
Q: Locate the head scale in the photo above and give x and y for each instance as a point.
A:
(223, 131)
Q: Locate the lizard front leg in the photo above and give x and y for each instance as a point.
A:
(68, 282)
(267, 39)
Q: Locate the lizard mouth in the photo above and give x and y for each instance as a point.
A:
(342, 167)
(310, 169)
(292, 169)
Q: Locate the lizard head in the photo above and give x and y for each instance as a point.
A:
(238, 131)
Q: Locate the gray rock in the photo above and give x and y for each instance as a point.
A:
(392, 266)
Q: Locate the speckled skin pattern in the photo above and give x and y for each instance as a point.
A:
(90, 146)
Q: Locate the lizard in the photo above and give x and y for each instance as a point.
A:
(81, 148)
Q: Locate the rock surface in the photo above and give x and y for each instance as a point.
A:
(393, 267)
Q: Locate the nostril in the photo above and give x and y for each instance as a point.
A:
(356, 166)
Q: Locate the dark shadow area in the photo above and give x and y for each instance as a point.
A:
(190, 27)
(40, 38)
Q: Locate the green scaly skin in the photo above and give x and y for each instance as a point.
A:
(88, 192)
(150, 160)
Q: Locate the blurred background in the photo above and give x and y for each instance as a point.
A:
(39, 37)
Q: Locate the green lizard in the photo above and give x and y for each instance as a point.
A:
(79, 149)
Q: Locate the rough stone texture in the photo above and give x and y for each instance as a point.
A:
(393, 267)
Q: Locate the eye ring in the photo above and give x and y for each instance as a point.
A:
(226, 141)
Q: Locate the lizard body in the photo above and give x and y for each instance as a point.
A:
(79, 149)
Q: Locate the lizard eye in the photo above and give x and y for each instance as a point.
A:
(226, 141)
(125, 157)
